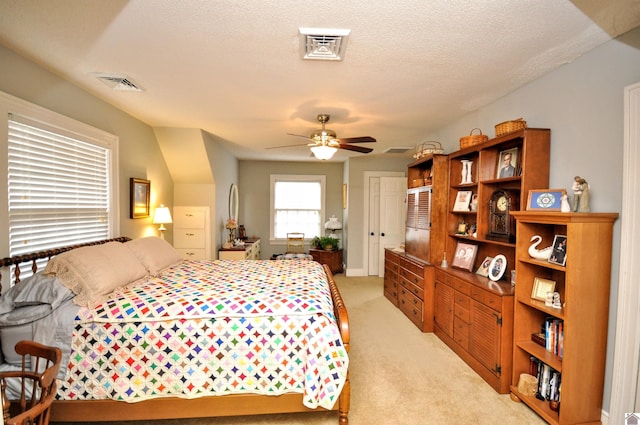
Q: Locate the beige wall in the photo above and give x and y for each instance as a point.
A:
(254, 194)
(140, 155)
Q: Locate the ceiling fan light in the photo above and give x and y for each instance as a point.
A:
(323, 152)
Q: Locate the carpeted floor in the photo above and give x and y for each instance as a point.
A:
(399, 375)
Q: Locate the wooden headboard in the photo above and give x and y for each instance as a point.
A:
(48, 253)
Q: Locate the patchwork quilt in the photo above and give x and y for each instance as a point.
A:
(212, 328)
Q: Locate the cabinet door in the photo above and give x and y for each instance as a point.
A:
(484, 336)
(443, 308)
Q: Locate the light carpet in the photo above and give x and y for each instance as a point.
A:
(399, 375)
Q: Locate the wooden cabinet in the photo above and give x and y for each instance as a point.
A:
(427, 207)
(192, 232)
(331, 258)
(583, 285)
(249, 251)
(529, 149)
(408, 284)
(473, 316)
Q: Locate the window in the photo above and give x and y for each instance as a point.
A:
(297, 205)
(60, 178)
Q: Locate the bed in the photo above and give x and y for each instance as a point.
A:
(181, 339)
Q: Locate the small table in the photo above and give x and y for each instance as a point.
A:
(331, 258)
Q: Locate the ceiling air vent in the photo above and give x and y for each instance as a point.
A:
(323, 44)
(117, 81)
(397, 150)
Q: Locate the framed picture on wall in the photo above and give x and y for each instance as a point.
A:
(140, 191)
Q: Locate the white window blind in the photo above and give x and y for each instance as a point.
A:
(297, 205)
(58, 188)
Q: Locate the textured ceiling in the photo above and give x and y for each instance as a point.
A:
(233, 68)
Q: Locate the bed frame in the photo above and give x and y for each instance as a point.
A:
(175, 407)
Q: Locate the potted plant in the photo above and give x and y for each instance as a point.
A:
(327, 243)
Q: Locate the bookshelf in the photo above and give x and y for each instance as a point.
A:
(583, 285)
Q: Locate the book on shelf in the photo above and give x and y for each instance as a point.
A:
(549, 380)
(553, 329)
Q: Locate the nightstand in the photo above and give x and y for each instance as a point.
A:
(331, 258)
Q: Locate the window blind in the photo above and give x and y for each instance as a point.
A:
(58, 188)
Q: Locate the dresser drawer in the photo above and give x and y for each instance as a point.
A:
(487, 298)
(188, 238)
(411, 306)
(461, 285)
(461, 333)
(408, 288)
(191, 254)
(188, 217)
(408, 276)
(461, 312)
(417, 269)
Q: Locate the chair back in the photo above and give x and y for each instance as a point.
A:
(36, 382)
(295, 243)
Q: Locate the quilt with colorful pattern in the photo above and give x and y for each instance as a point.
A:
(212, 328)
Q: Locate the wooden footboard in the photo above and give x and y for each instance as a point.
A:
(174, 407)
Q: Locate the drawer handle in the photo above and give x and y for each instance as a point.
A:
(189, 234)
(189, 215)
(191, 253)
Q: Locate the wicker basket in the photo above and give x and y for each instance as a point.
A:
(473, 139)
(426, 148)
(509, 126)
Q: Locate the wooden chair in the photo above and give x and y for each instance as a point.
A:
(295, 243)
(36, 382)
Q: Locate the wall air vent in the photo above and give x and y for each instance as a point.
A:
(117, 81)
(323, 44)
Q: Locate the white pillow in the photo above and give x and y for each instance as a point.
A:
(94, 272)
(154, 253)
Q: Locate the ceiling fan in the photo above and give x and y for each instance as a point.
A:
(324, 143)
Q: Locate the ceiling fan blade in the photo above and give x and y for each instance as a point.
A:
(287, 146)
(365, 139)
(355, 148)
(298, 135)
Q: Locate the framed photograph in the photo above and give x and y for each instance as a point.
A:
(465, 256)
(545, 199)
(463, 199)
(508, 164)
(140, 191)
(559, 251)
(483, 269)
(541, 287)
(497, 267)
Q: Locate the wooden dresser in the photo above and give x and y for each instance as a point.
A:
(191, 232)
(249, 251)
(408, 284)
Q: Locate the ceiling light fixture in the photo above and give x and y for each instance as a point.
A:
(323, 151)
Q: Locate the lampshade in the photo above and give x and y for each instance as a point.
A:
(323, 152)
(162, 216)
(333, 223)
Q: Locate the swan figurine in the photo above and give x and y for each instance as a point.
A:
(539, 254)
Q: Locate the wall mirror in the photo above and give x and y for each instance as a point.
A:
(233, 202)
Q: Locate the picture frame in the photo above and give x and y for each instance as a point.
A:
(463, 200)
(545, 199)
(540, 288)
(483, 269)
(140, 192)
(559, 251)
(510, 168)
(497, 267)
(464, 256)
